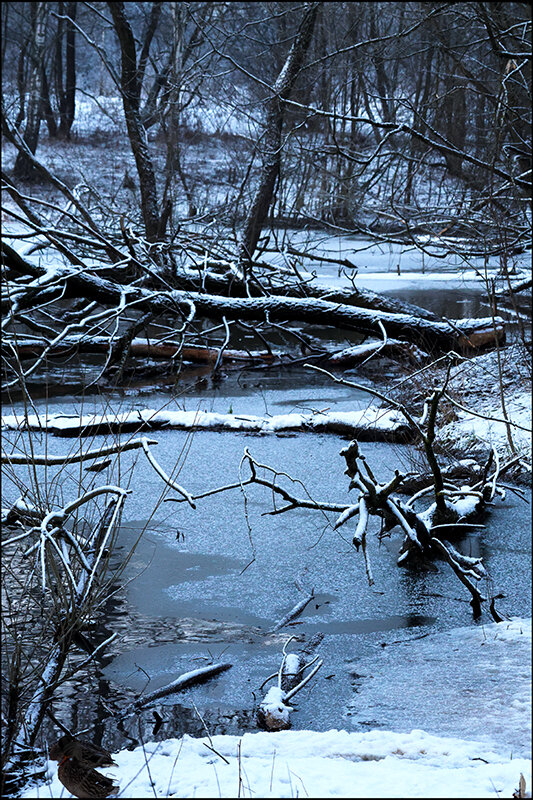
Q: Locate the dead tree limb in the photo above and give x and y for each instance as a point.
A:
(74, 458)
(273, 712)
(183, 682)
(293, 613)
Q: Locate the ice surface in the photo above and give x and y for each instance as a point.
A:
(470, 682)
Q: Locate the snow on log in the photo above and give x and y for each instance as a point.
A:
(273, 714)
(520, 286)
(431, 335)
(460, 334)
(369, 424)
(232, 285)
(291, 671)
(185, 680)
(75, 458)
(393, 348)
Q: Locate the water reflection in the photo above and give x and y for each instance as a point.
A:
(452, 303)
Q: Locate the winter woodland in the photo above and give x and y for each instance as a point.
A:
(266, 425)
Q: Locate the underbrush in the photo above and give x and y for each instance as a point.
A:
(62, 566)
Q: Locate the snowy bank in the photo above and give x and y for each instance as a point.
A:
(471, 434)
(476, 384)
(310, 764)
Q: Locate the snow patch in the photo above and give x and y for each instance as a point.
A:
(305, 763)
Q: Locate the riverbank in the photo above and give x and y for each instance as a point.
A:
(491, 402)
(373, 763)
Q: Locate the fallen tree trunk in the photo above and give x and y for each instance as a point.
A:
(351, 356)
(517, 287)
(370, 424)
(461, 334)
(432, 336)
(232, 285)
(196, 354)
(183, 682)
(141, 348)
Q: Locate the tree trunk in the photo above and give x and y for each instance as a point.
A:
(232, 286)
(21, 85)
(131, 93)
(23, 166)
(47, 110)
(173, 163)
(58, 56)
(382, 81)
(67, 107)
(274, 123)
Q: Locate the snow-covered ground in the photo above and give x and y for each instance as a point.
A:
(376, 763)
(477, 382)
(470, 431)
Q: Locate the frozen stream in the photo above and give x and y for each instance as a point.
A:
(197, 597)
(203, 586)
(448, 283)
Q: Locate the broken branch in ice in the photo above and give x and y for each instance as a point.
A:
(183, 682)
(273, 712)
(161, 472)
(73, 458)
(293, 613)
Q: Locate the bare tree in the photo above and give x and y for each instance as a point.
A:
(275, 109)
(23, 166)
(131, 83)
(65, 69)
